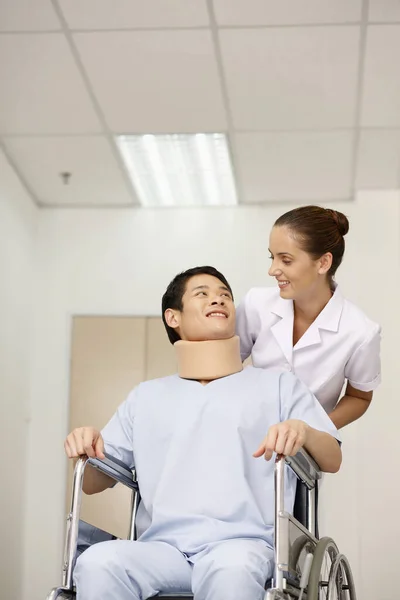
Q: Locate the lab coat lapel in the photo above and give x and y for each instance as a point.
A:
(309, 338)
(283, 328)
(328, 320)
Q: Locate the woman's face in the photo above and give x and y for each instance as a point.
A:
(297, 274)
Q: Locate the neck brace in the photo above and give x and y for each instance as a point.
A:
(208, 360)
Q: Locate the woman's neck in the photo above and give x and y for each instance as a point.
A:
(308, 309)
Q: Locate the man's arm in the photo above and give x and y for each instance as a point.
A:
(94, 481)
(87, 441)
(325, 450)
(286, 439)
(303, 423)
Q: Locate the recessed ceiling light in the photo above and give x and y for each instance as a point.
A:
(180, 169)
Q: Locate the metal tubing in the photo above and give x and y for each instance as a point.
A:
(134, 507)
(279, 508)
(73, 524)
(311, 511)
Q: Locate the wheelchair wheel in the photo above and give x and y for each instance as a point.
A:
(325, 554)
(341, 583)
(330, 574)
(299, 549)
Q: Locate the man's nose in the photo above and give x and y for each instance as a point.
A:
(218, 300)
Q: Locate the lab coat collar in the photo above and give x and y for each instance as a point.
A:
(328, 319)
(282, 330)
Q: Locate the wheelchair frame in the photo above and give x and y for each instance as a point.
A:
(284, 586)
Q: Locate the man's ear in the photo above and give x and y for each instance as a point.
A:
(172, 318)
(325, 263)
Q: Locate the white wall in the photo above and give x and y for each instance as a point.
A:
(119, 262)
(17, 234)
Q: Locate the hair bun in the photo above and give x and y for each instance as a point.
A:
(341, 221)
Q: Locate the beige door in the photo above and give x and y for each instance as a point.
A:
(109, 356)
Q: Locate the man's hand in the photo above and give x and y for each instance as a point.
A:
(84, 441)
(284, 438)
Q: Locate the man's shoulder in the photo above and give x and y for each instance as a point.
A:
(276, 383)
(158, 383)
(268, 376)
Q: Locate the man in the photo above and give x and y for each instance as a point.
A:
(207, 510)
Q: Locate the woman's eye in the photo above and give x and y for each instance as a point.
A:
(287, 262)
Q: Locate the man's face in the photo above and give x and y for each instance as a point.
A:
(208, 311)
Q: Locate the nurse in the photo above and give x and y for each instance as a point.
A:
(305, 324)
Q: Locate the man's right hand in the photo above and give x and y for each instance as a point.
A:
(84, 441)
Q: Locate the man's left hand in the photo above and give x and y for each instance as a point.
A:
(285, 439)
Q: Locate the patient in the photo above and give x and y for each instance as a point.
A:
(206, 518)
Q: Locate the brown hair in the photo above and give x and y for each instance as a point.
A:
(318, 230)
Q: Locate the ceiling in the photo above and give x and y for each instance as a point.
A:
(307, 90)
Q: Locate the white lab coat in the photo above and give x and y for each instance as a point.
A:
(341, 344)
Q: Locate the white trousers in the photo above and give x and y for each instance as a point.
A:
(126, 570)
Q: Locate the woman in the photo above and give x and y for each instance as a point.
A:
(306, 325)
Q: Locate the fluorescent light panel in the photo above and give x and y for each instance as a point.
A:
(180, 169)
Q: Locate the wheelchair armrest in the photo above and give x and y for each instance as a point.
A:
(115, 469)
(305, 468)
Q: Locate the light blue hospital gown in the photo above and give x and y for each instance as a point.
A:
(207, 511)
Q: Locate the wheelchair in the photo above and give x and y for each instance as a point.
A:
(306, 567)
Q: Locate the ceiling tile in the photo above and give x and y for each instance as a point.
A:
(155, 81)
(291, 78)
(378, 159)
(286, 12)
(17, 15)
(294, 166)
(381, 87)
(42, 90)
(96, 177)
(384, 10)
(128, 14)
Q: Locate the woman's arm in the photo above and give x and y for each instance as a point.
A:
(350, 407)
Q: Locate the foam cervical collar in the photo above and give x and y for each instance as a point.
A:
(208, 360)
